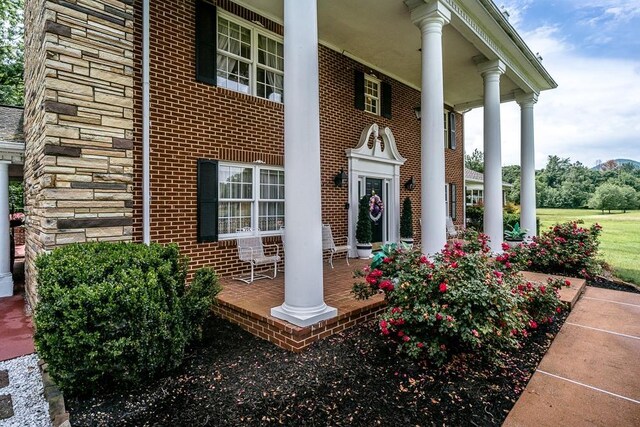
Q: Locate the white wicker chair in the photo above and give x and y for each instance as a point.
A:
(251, 250)
(328, 244)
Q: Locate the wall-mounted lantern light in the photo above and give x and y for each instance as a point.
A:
(340, 178)
(418, 112)
(410, 184)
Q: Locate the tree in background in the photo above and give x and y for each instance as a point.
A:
(11, 52)
(475, 161)
(630, 199)
(610, 196)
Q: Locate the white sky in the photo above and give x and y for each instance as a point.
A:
(592, 50)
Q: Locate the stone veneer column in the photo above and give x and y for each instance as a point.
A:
(430, 18)
(527, 163)
(78, 124)
(6, 278)
(303, 282)
(491, 72)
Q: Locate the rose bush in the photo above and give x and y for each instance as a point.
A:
(566, 249)
(461, 301)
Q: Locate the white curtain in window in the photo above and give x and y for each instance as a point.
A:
(271, 60)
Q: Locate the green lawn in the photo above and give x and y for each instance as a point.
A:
(620, 238)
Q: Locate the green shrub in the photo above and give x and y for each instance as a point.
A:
(198, 299)
(566, 249)
(406, 220)
(363, 226)
(462, 301)
(112, 315)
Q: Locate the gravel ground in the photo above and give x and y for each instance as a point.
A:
(26, 390)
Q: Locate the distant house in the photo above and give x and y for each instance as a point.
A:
(474, 187)
(11, 161)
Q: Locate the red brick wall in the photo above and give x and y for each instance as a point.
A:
(191, 120)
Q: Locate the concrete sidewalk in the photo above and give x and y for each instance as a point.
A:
(591, 374)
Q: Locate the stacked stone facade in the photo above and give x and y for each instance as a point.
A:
(84, 168)
(78, 124)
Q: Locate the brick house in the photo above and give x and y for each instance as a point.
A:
(180, 121)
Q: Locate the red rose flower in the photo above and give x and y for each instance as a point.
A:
(443, 287)
(533, 324)
(420, 345)
(386, 260)
(405, 338)
(505, 246)
(438, 316)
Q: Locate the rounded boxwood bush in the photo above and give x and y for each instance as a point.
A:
(111, 315)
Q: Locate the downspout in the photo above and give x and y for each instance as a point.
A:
(146, 193)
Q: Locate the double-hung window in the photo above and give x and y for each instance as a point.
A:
(249, 60)
(371, 94)
(250, 196)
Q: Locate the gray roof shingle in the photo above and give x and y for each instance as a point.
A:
(11, 121)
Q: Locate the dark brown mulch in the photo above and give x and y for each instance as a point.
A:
(603, 282)
(353, 378)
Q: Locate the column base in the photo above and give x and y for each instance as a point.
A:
(304, 316)
(6, 285)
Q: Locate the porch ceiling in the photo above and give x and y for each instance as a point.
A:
(381, 34)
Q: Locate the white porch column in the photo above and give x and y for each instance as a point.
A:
(527, 163)
(430, 18)
(303, 289)
(6, 279)
(491, 71)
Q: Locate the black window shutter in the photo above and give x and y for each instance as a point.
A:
(386, 100)
(452, 130)
(452, 201)
(206, 42)
(359, 90)
(207, 200)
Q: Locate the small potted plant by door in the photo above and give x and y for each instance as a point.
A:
(363, 229)
(514, 235)
(406, 222)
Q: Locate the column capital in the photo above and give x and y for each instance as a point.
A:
(425, 12)
(495, 67)
(525, 99)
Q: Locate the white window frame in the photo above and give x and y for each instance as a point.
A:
(255, 197)
(369, 78)
(253, 68)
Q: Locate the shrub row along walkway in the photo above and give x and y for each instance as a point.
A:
(590, 374)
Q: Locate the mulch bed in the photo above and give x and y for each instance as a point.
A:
(353, 378)
(606, 283)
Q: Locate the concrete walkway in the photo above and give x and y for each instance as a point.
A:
(591, 374)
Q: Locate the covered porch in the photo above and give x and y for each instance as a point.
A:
(460, 54)
(249, 306)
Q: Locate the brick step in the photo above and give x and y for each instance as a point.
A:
(569, 294)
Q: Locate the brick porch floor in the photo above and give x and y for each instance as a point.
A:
(249, 306)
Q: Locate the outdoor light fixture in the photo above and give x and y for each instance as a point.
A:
(417, 111)
(410, 184)
(340, 178)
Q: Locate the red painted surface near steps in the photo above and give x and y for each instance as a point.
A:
(16, 329)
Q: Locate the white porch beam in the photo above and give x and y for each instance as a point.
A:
(6, 278)
(303, 282)
(430, 18)
(491, 72)
(527, 163)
